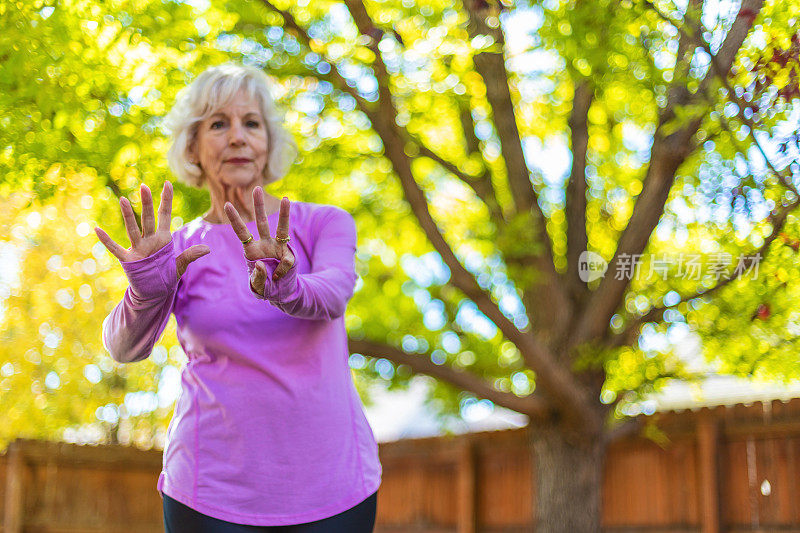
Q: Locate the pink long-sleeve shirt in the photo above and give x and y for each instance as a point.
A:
(268, 428)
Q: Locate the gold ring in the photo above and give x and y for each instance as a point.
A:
(283, 239)
(250, 238)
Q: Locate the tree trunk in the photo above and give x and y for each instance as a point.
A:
(568, 476)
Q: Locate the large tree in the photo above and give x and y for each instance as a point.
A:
(697, 87)
(440, 128)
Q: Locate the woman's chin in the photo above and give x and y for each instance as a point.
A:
(239, 179)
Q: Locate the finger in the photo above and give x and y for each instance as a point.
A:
(131, 227)
(283, 219)
(190, 254)
(236, 222)
(261, 213)
(115, 249)
(165, 207)
(148, 217)
(282, 268)
(258, 278)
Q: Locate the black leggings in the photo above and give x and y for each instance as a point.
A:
(178, 518)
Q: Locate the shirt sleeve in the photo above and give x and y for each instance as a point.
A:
(323, 293)
(133, 327)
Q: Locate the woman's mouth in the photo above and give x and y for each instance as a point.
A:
(238, 161)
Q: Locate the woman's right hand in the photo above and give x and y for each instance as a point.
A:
(149, 239)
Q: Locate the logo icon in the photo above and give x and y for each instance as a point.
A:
(591, 266)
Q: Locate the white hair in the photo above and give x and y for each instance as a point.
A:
(213, 89)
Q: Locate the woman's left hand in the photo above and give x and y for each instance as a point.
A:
(264, 247)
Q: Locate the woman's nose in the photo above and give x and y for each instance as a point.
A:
(236, 134)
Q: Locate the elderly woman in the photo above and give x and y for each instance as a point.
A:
(269, 432)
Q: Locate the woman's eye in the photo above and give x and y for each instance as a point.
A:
(216, 124)
(252, 123)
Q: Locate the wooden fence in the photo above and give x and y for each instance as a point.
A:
(733, 469)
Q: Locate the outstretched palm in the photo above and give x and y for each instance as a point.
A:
(149, 239)
(265, 246)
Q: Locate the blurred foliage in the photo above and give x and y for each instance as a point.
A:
(84, 84)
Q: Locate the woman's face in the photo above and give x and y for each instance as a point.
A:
(231, 144)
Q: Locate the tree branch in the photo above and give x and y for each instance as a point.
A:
(723, 60)
(473, 149)
(562, 389)
(468, 126)
(548, 304)
(667, 154)
(577, 240)
(721, 71)
(491, 66)
(655, 313)
(480, 185)
(556, 381)
(784, 179)
(686, 42)
(531, 405)
(335, 76)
